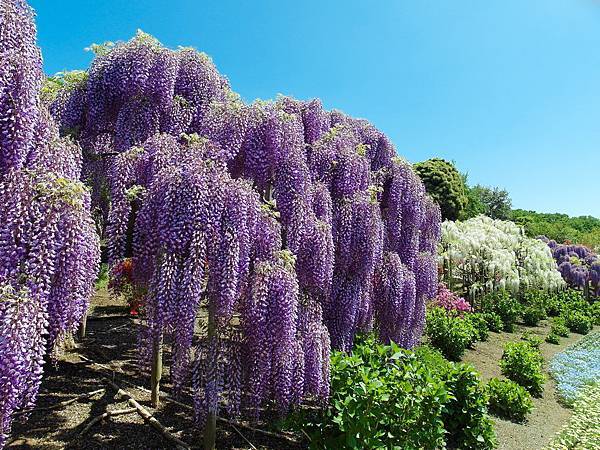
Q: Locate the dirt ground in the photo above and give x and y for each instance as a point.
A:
(548, 415)
(109, 350)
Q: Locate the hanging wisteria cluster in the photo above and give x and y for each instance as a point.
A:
(578, 265)
(48, 244)
(483, 255)
(291, 227)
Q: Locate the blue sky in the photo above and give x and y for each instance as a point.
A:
(508, 89)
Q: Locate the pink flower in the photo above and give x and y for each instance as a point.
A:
(448, 300)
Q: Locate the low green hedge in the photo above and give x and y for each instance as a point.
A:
(522, 363)
(384, 397)
(508, 400)
(448, 332)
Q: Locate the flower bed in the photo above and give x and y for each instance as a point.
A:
(583, 430)
(577, 367)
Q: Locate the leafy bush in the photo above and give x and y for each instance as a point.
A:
(449, 333)
(494, 321)
(573, 300)
(465, 417)
(559, 327)
(595, 312)
(522, 363)
(553, 338)
(576, 366)
(508, 400)
(578, 322)
(538, 300)
(578, 315)
(480, 325)
(503, 304)
(384, 397)
(381, 396)
(553, 306)
(532, 315)
(532, 339)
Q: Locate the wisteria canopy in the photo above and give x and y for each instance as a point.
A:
(487, 254)
(49, 249)
(579, 266)
(292, 227)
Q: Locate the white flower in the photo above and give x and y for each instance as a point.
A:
(499, 254)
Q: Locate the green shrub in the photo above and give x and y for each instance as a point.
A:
(503, 304)
(573, 300)
(559, 327)
(508, 400)
(494, 321)
(381, 396)
(465, 416)
(532, 339)
(577, 321)
(553, 306)
(384, 397)
(538, 300)
(595, 312)
(449, 333)
(553, 338)
(522, 363)
(480, 325)
(532, 315)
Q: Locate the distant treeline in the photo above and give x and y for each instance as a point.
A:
(458, 199)
(560, 227)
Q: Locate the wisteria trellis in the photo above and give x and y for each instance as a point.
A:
(295, 226)
(280, 216)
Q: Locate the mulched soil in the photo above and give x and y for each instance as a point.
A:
(548, 415)
(109, 349)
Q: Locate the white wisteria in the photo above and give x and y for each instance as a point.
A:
(484, 255)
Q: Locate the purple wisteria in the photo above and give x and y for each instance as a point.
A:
(48, 244)
(280, 227)
(578, 265)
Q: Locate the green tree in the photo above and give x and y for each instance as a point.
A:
(474, 206)
(560, 227)
(445, 185)
(497, 203)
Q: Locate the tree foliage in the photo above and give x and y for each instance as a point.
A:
(496, 201)
(560, 227)
(445, 185)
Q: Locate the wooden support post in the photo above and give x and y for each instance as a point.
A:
(210, 429)
(157, 352)
(83, 326)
